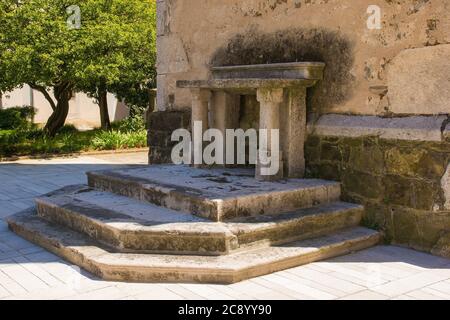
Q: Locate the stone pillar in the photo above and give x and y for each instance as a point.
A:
(293, 132)
(200, 112)
(270, 103)
(224, 113)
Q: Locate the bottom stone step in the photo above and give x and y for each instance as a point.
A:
(105, 263)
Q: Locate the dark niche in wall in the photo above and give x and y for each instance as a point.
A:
(294, 45)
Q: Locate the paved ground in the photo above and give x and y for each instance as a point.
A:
(28, 272)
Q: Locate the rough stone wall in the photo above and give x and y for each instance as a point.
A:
(401, 68)
(404, 185)
(160, 128)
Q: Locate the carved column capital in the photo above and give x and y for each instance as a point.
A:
(269, 95)
(202, 95)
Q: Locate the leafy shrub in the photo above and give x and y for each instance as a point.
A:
(16, 118)
(68, 128)
(134, 123)
(34, 133)
(10, 137)
(113, 140)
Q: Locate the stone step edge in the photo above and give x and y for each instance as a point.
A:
(171, 197)
(87, 254)
(227, 237)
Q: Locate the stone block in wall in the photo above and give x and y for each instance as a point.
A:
(161, 96)
(362, 185)
(447, 132)
(161, 125)
(169, 120)
(403, 181)
(159, 155)
(162, 17)
(415, 162)
(367, 158)
(421, 230)
(327, 171)
(415, 128)
(410, 192)
(330, 150)
(445, 185)
(418, 81)
(442, 247)
(379, 216)
(173, 57)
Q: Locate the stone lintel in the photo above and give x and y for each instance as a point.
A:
(414, 128)
(293, 70)
(244, 84)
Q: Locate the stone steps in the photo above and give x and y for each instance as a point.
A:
(181, 224)
(104, 262)
(215, 194)
(129, 225)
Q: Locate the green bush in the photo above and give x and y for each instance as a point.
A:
(114, 140)
(68, 128)
(134, 123)
(16, 118)
(33, 141)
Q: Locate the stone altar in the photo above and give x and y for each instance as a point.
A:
(280, 89)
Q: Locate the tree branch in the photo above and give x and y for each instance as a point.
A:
(45, 93)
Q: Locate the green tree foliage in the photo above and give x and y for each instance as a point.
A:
(41, 45)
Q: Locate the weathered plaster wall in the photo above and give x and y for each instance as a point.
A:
(195, 34)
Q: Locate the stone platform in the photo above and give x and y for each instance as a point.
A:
(175, 223)
(216, 194)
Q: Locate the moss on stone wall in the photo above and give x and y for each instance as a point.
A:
(399, 182)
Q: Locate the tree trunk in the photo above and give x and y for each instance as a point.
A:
(45, 93)
(63, 93)
(103, 105)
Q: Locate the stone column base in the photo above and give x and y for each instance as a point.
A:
(259, 168)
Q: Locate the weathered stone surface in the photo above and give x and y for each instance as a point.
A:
(415, 162)
(169, 120)
(244, 84)
(416, 128)
(216, 194)
(132, 226)
(237, 32)
(418, 81)
(88, 254)
(328, 171)
(442, 248)
(368, 159)
(160, 128)
(401, 183)
(410, 192)
(422, 230)
(445, 185)
(378, 216)
(293, 70)
(363, 184)
(447, 132)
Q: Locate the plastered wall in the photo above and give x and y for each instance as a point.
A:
(400, 68)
